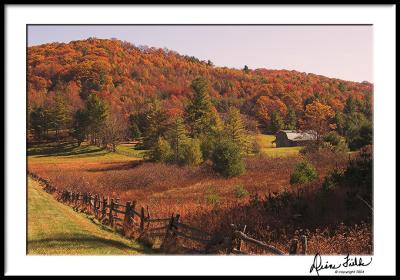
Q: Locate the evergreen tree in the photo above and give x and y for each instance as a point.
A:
(276, 122)
(161, 151)
(201, 113)
(178, 136)
(60, 113)
(366, 108)
(40, 120)
(291, 119)
(340, 120)
(155, 126)
(227, 158)
(80, 125)
(190, 152)
(235, 130)
(342, 87)
(350, 106)
(97, 114)
(134, 130)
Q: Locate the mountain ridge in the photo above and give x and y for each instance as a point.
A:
(125, 75)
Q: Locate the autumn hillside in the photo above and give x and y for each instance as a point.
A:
(125, 75)
(180, 135)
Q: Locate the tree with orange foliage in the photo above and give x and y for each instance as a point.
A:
(319, 118)
(265, 107)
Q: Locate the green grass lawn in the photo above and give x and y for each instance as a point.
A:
(56, 229)
(54, 152)
(281, 152)
(130, 150)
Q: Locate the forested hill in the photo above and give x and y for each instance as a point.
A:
(125, 75)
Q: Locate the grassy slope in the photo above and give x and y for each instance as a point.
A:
(129, 150)
(67, 153)
(55, 229)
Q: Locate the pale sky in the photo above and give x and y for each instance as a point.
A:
(343, 52)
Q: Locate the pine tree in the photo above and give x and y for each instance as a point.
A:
(97, 115)
(350, 106)
(178, 136)
(201, 113)
(40, 120)
(60, 113)
(161, 151)
(80, 125)
(276, 122)
(155, 123)
(134, 129)
(234, 128)
(291, 119)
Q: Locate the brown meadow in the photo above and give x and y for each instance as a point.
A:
(210, 202)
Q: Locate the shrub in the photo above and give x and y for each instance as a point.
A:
(304, 172)
(240, 191)
(359, 170)
(191, 153)
(227, 159)
(207, 145)
(337, 142)
(311, 148)
(256, 146)
(332, 180)
(363, 136)
(162, 151)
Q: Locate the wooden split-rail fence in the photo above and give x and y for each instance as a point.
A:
(137, 222)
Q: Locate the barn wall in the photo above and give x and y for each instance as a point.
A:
(282, 140)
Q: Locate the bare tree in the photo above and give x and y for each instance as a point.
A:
(113, 132)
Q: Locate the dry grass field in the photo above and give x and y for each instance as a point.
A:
(202, 197)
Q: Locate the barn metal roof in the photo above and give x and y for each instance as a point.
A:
(298, 135)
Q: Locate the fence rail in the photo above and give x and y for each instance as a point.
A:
(111, 212)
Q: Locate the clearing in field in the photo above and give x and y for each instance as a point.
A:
(56, 229)
(268, 148)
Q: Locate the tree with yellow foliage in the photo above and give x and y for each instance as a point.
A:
(319, 118)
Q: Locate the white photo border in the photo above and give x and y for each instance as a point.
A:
(382, 17)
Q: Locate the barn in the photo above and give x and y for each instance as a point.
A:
(291, 138)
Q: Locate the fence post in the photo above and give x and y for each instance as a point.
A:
(88, 202)
(133, 210)
(303, 245)
(167, 233)
(142, 219)
(127, 218)
(76, 196)
(293, 247)
(176, 220)
(82, 202)
(104, 208)
(91, 197)
(239, 245)
(99, 207)
(110, 214)
(95, 205)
